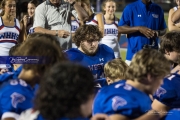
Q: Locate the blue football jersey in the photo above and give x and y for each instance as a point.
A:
(121, 98)
(99, 84)
(169, 92)
(94, 63)
(10, 75)
(173, 114)
(16, 96)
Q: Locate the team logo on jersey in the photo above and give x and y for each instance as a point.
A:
(98, 85)
(160, 92)
(155, 15)
(101, 59)
(139, 15)
(128, 87)
(118, 102)
(13, 82)
(118, 85)
(17, 98)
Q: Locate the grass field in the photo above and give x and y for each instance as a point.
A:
(123, 51)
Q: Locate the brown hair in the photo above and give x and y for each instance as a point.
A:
(2, 6)
(170, 42)
(35, 2)
(115, 69)
(86, 32)
(104, 4)
(41, 46)
(148, 61)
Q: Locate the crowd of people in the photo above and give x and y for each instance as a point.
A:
(61, 61)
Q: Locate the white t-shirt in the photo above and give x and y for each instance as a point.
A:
(55, 18)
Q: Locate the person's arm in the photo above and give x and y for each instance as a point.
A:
(161, 108)
(144, 30)
(150, 115)
(100, 22)
(82, 14)
(175, 16)
(118, 117)
(177, 68)
(59, 33)
(119, 35)
(100, 117)
(22, 34)
(171, 25)
(40, 21)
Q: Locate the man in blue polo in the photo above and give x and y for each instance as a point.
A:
(142, 21)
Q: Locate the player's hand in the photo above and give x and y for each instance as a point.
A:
(100, 117)
(63, 33)
(147, 32)
(3, 70)
(177, 68)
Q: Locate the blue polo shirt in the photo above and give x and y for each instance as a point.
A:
(138, 14)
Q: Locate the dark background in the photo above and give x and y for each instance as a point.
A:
(166, 5)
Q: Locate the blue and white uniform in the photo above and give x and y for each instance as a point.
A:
(74, 25)
(15, 97)
(169, 92)
(121, 98)
(94, 63)
(139, 14)
(8, 36)
(111, 37)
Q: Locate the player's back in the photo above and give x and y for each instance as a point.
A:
(16, 96)
(173, 114)
(169, 92)
(121, 98)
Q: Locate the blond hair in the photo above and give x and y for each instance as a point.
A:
(115, 69)
(148, 61)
